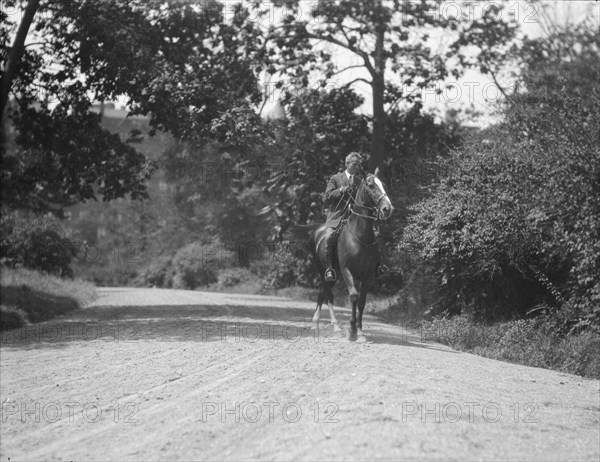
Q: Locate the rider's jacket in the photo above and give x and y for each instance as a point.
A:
(338, 201)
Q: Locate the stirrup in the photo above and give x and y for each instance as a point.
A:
(330, 275)
(381, 270)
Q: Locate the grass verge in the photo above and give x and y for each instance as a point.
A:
(29, 296)
(530, 342)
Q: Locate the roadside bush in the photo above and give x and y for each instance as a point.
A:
(37, 242)
(159, 273)
(415, 299)
(107, 273)
(231, 277)
(30, 296)
(476, 235)
(516, 223)
(293, 265)
(12, 317)
(190, 268)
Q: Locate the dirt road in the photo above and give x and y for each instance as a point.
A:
(151, 374)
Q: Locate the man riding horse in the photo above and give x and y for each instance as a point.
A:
(340, 193)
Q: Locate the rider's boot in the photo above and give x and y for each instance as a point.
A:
(330, 243)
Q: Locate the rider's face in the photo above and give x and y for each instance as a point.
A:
(353, 166)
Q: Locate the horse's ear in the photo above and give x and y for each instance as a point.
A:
(376, 172)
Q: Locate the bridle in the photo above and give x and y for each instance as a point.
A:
(374, 210)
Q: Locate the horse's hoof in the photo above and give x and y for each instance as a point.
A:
(361, 339)
(336, 328)
(315, 326)
(351, 336)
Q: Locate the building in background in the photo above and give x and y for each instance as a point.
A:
(125, 226)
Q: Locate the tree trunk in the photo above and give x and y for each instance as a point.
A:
(16, 51)
(378, 137)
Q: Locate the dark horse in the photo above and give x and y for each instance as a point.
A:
(357, 252)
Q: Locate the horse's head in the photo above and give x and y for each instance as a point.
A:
(372, 194)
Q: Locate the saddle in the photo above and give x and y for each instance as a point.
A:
(336, 231)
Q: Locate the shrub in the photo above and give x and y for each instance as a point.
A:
(415, 298)
(30, 296)
(37, 242)
(293, 265)
(159, 273)
(516, 223)
(191, 269)
(12, 317)
(474, 235)
(107, 273)
(230, 277)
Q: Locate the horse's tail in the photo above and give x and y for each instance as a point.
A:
(303, 236)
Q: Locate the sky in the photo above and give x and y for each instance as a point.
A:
(473, 90)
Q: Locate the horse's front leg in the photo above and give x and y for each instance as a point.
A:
(362, 299)
(352, 331)
(350, 284)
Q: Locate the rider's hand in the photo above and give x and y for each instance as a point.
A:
(344, 189)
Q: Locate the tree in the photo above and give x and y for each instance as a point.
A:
(391, 41)
(186, 66)
(16, 51)
(254, 194)
(218, 193)
(322, 128)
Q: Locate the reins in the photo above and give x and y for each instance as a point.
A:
(374, 211)
(359, 239)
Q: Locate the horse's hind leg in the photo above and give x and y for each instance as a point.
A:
(317, 315)
(329, 298)
(362, 299)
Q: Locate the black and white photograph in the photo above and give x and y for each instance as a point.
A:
(314, 230)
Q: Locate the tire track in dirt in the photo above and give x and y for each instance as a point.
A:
(376, 393)
(98, 430)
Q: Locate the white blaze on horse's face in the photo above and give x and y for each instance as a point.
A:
(385, 205)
